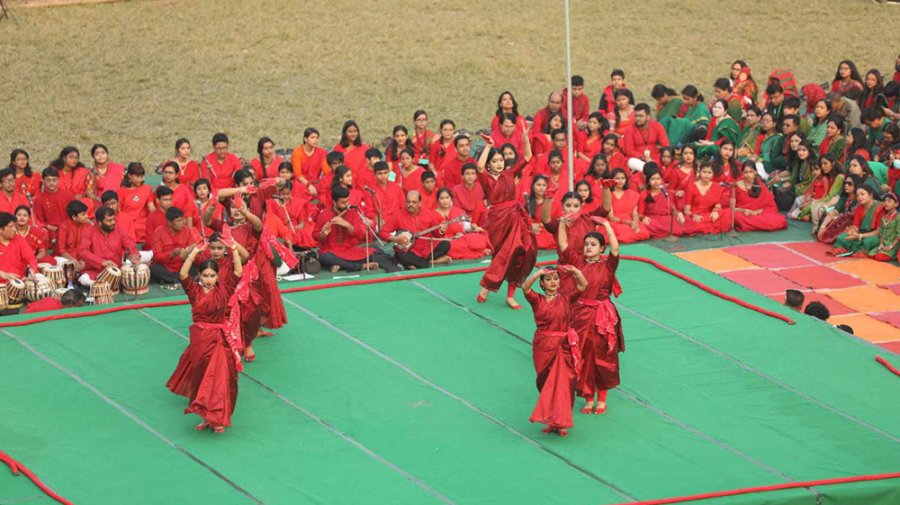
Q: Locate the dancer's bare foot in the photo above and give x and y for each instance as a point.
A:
(482, 295)
(264, 333)
(370, 266)
(588, 407)
(249, 355)
(600, 408)
(562, 432)
(218, 430)
(513, 304)
(202, 426)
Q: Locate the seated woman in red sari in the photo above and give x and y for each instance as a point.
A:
(585, 190)
(135, 202)
(597, 171)
(725, 167)
(595, 318)
(73, 175)
(704, 204)
(352, 147)
(541, 141)
(296, 214)
(847, 80)
(188, 169)
(266, 165)
(555, 349)
(107, 175)
(680, 180)
(206, 203)
(399, 142)
(592, 144)
(35, 236)
(182, 194)
(409, 174)
(656, 207)
(509, 226)
(443, 148)
(471, 241)
(754, 208)
(614, 156)
(624, 216)
(308, 160)
(28, 183)
(535, 205)
(207, 371)
(507, 103)
(624, 110)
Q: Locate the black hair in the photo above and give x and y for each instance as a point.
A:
(577, 80)
(691, 91)
(109, 195)
(374, 152)
(794, 298)
(380, 166)
(755, 188)
(468, 166)
(173, 213)
(642, 106)
(845, 327)
(162, 191)
(309, 131)
(180, 142)
(392, 147)
(334, 157)
(75, 207)
(209, 264)
(531, 204)
(50, 172)
(12, 159)
(859, 141)
(134, 168)
(426, 174)
(219, 137)
(620, 171)
(598, 236)
(722, 83)
(583, 182)
(202, 182)
(515, 107)
(259, 149)
(6, 218)
(661, 90)
(72, 298)
(817, 310)
(239, 176)
(345, 142)
(617, 72)
(774, 88)
(338, 192)
(791, 102)
(459, 138)
(101, 213)
(650, 169)
(22, 207)
(289, 166)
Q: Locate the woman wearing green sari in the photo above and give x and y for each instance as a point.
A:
(668, 107)
(695, 111)
(888, 232)
(771, 148)
(840, 217)
(834, 173)
(862, 235)
(746, 144)
(820, 114)
(834, 141)
(859, 167)
(720, 128)
(803, 177)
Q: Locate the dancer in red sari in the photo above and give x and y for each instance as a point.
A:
(555, 348)
(509, 228)
(755, 208)
(208, 368)
(595, 318)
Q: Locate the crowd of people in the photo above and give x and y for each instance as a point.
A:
(751, 158)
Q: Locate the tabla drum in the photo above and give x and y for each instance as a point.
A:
(136, 279)
(37, 290)
(111, 276)
(4, 296)
(15, 291)
(101, 294)
(56, 275)
(58, 292)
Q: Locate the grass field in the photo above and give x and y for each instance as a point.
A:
(136, 75)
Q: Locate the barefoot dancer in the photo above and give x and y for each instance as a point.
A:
(509, 228)
(555, 348)
(207, 370)
(594, 316)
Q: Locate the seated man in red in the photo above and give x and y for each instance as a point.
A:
(171, 243)
(554, 105)
(581, 104)
(71, 298)
(643, 139)
(50, 204)
(387, 195)
(451, 170)
(10, 199)
(157, 219)
(421, 252)
(104, 245)
(341, 234)
(15, 253)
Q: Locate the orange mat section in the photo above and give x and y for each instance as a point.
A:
(867, 299)
(868, 327)
(873, 272)
(716, 260)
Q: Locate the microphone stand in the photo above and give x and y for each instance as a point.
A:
(672, 210)
(731, 204)
(369, 229)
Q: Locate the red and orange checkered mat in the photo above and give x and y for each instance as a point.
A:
(862, 293)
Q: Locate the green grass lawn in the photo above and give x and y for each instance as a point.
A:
(136, 75)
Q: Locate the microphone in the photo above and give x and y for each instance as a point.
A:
(726, 184)
(664, 192)
(370, 190)
(352, 207)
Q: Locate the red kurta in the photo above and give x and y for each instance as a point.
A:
(16, 255)
(649, 138)
(509, 231)
(220, 175)
(439, 153)
(451, 171)
(389, 198)
(97, 247)
(298, 216)
(69, 237)
(339, 241)
(403, 220)
(134, 206)
(206, 372)
(164, 242)
(189, 173)
(679, 180)
(10, 203)
(554, 363)
(470, 201)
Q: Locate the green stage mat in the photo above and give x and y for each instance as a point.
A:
(410, 392)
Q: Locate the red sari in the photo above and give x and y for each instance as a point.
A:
(77, 181)
(509, 231)
(207, 371)
(354, 157)
(659, 213)
(678, 180)
(624, 207)
(134, 207)
(467, 246)
(30, 185)
(702, 205)
(298, 216)
(769, 220)
(598, 324)
(189, 173)
(111, 180)
(271, 170)
(555, 354)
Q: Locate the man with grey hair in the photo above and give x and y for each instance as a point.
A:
(541, 117)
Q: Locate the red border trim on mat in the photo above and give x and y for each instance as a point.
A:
(15, 467)
(360, 282)
(887, 365)
(764, 489)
